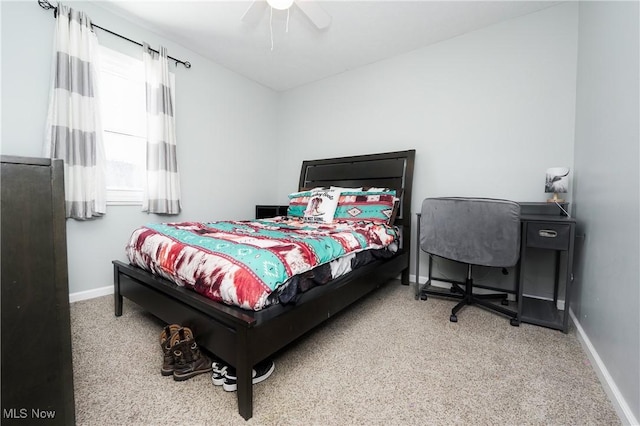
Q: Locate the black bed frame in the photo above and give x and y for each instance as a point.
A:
(243, 338)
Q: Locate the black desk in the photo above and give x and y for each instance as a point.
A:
(548, 232)
(544, 226)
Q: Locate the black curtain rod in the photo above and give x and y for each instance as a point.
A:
(47, 6)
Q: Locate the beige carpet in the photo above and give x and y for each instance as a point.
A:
(387, 360)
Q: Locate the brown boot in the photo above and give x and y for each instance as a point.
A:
(165, 343)
(189, 360)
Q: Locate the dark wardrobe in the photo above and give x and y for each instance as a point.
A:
(37, 374)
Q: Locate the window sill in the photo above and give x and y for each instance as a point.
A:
(124, 197)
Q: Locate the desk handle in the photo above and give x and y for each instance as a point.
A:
(547, 233)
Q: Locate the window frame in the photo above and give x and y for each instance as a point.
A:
(132, 69)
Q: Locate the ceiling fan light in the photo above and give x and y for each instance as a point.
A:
(280, 4)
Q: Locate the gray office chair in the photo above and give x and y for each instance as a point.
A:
(474, 231)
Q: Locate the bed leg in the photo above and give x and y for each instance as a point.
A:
(244, 371)
(404, 279)
(117, 297)
(245, 391)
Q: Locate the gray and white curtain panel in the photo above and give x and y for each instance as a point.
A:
(74, 131)
(162, 190)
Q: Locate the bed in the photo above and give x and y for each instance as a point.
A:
(243, 337)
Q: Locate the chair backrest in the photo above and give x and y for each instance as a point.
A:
(477, 231)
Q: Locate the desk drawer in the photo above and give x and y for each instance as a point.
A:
(548, 235)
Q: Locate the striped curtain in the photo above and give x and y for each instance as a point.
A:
(162, 190)
(74, 131)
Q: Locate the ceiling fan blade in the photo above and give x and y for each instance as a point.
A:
(315, 13)
(254, 12)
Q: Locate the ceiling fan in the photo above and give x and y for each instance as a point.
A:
(310, 8)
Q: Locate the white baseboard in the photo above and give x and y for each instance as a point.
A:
(559, 302)
(90, 294)
(423, 280)
(610, 388)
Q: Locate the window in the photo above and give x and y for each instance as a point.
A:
(124, 122)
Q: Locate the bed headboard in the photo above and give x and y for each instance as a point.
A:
(389, 170)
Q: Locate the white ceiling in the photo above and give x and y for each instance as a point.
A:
(361, 32)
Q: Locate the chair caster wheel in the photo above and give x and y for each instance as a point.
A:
(504, 302)
(423, 297)
(453, 318)
(514, 322)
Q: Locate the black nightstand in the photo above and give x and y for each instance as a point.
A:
(265, 211)
(547, 232)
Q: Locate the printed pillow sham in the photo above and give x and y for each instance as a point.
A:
(354, 204)
(298, 202)
(373, 206)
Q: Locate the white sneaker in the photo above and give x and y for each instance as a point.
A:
(260, 372)
(218, 372)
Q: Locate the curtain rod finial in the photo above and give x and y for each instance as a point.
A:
(45, 4)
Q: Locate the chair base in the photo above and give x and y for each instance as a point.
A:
(467, 297)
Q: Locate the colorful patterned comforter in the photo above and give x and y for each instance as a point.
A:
(242, 262)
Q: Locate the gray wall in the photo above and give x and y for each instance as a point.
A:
(487, 112)
(226, 129)
(607, 189)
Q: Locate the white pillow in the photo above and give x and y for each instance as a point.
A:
(342, 189)
(322, 206)
(372, 189)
